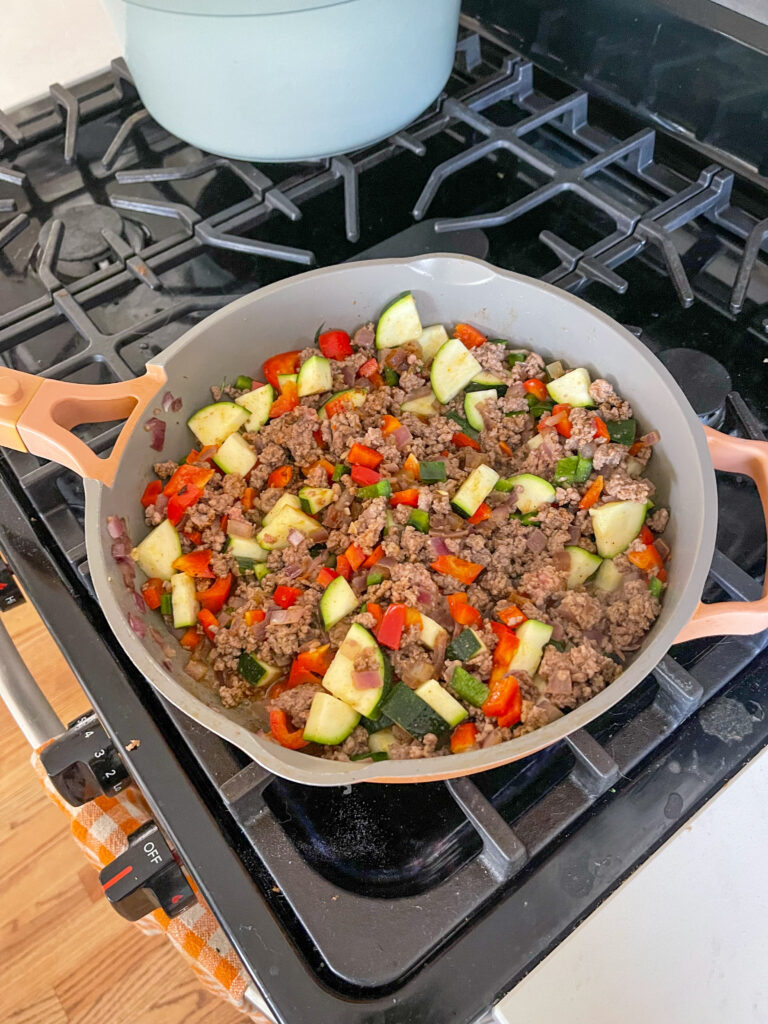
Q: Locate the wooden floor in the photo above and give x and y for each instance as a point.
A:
(65, 955)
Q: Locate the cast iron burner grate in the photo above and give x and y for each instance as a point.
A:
(358, 903)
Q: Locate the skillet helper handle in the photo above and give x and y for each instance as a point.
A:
(37, 415)
(734, 455)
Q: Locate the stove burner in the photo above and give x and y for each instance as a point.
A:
(705, 382)
(83, 244)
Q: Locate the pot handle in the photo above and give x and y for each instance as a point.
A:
(734, 455)
(37, 415)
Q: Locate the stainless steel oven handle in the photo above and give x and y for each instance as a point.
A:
(22, 696)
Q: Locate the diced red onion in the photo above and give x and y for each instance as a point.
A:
(167, 665)
(141, 606)
(284, 616)
(121, 548)
(161, 502)
(663, 548)
(438, 654)
(319, 535)
(138, 626)
(239, 528)
(574, 533)
(293, 571)
(196, 669)
(115, 527)
(560, 681)
(439, 546)
(424, 597)
(396, 357)
(386, 562)
(127, 571)
(487, 414)
(402, 436)
(259, 631)
(651, 438)
(157, 427)
(167, 401)
(358, 582)
(557, 631)
(295, 537)
(368, 680)
(536, 541)
(419, 393)
(549, 709)
(596, 635)
(313, 566)
(348, 374)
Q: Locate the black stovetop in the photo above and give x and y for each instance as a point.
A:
(356, 904)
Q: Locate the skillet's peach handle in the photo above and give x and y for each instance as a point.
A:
(734, 455)
(37, 416)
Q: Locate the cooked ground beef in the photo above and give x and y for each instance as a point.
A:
(391, 546)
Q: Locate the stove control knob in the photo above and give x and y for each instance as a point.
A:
(146, 876)
(82, 763)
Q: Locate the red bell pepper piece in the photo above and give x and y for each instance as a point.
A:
(151, 493)
(512, 616)
(411, 465)
(601, 430)
(369, 368)
(376, 611)
(409, 497)
(557, 420)
(223, 523)
(469, 336)
(325, 576)
(463, 737)
(646, 559)
(214, 597)
(506, 645)
(191, 639)
(463, 612)
(288, 399)
(209, 622)
(537, 388)
(278, 726)
(646, 536)
(335, 344)
(196, 563)
(300, 675)
(505, 449)
(481, 513)
(514, 709)
(413, 617)
(280, 477)
(187, 476)
(355, 556)
(374, 557)
(324, 464)
(337, 404)
(343, 568)
(179, 503)
(502, 696)
(362, 455)
(152, 592)
(247, 500)
(462, 440)
(389, 425)
(193, 536)
(285, 597)
(459, 568)
(636, 448)
(317, 660)
(390, 631)
(285, 362)
(592, 493)
(662, 574)
(254, 615)
(363, 477)
(317, 436)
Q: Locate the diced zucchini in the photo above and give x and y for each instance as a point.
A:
(391, 377)
(432, 693)
(350, 398)
(488, 380)
(379, 742)
(398, 323)
(465, 646)
(258, 403)
(533, 636)
(617, 524)
(338, 600)
(339, 470)
(634, 467)
(330, 720)
(373, 578)
(517, 355)
(158, 551)
(213, 424)
(244, 382)
(369, 755)
(464, 425)
(286, 378)
(247, 547)
(412, 713)
(255, 672)
(475, 489)
(284, 501)
(572, 388)
(339, 677)
(313, 499)
(183, 601)
(374, 725)
(608, 578)
(432, 472)
(453, 368)
(583, 565)
(656, 587)
(235, 455)
(555, 369)
(471, 402)
(431, 632)
(533, 491)
(381, 489)
(389, 522)
(533, 442)
(314, 376)
(166, 605)
(274, 535)
(622, 431)
(469, 687)
(419, 520)
(432, 340)
(424, 406)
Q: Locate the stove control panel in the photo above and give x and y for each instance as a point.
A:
(146, 876)
(10, 594)
(83, 763)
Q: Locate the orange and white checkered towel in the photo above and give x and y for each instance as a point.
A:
(100, 828)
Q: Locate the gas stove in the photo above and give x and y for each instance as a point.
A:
(353, 904)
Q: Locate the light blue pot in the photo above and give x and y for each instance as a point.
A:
(286, 79)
